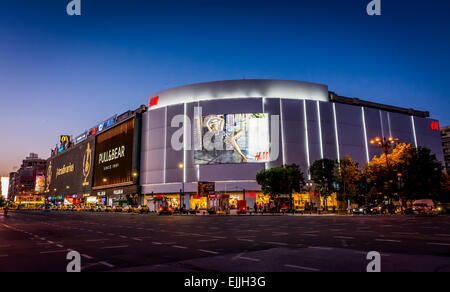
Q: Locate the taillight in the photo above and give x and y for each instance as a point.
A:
(160, 209)
(170, 209)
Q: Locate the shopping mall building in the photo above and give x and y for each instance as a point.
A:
(220, 135)
(260, 124)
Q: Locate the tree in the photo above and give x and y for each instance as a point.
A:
(422, 175)
(348, 176)
(413, 173)
(324, 176)
(381, 172)
(281, 180)
(444, 194)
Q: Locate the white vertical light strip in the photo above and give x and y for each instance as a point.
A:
(266, 165)
(382, 125)
(305, 116)
(366, 143)
(199, 137)
(336, 133)
(414, 131)
(319, 118)
(165, 144)
(389, 124)
(185, 142)
(282, 133)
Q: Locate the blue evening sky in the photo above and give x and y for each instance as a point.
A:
(62, 75)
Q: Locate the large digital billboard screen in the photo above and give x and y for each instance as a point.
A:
(70, 172)
(232, 138)
(40, 183)
(114, 156)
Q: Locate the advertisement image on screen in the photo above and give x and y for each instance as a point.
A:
(232, 138)
(70, 172)
(40, 183)
(114, 156)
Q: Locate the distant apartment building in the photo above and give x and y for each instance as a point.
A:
(23, 182)
(445, 134)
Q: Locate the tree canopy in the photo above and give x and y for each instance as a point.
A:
(281, 180)
(348, 176)
(324, 176)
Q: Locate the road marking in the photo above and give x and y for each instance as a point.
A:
(302, 268)
(438, 243)
(106, 264)
(123, 236)
(279, 233)
(137, 239)
(96, 240)
(53, 251)
(112, 247)
(208, 251)
(87, 257)
(59, 245)
(208, 240)
(344, 237)
(276, 243)
(249, 259)
(387, 240)
(321, 248)
(248, 240)
(51, 242)
(179, 246)
(156, 243)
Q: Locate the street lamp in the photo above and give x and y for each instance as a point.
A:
(181, 166)
(385, 144)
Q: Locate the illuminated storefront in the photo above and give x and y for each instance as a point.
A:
(69, 175)
(117, 162)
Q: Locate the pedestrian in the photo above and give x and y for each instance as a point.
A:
(5, 211)
(256, 208)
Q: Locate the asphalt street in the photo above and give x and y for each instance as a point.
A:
(36, 241)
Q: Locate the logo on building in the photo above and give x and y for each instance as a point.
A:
(434, 125)
(87, 163)
(153, 101)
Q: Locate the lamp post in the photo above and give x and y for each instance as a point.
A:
(385, 144)
(181, 166)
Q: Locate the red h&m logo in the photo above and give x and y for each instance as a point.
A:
(434, 125)
(153, 101)
(262, 156)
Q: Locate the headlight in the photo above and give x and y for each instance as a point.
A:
(360, 210)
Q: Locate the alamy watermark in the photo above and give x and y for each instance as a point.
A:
(374, 265)
(374, 8)
(74, 266)
(74, 8)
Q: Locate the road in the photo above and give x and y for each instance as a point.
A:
(37, 241)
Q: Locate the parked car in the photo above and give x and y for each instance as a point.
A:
(363, 210)
(144, 209)
(165, 210)
(424, 207)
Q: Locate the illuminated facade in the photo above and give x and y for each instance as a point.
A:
(311, 123)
